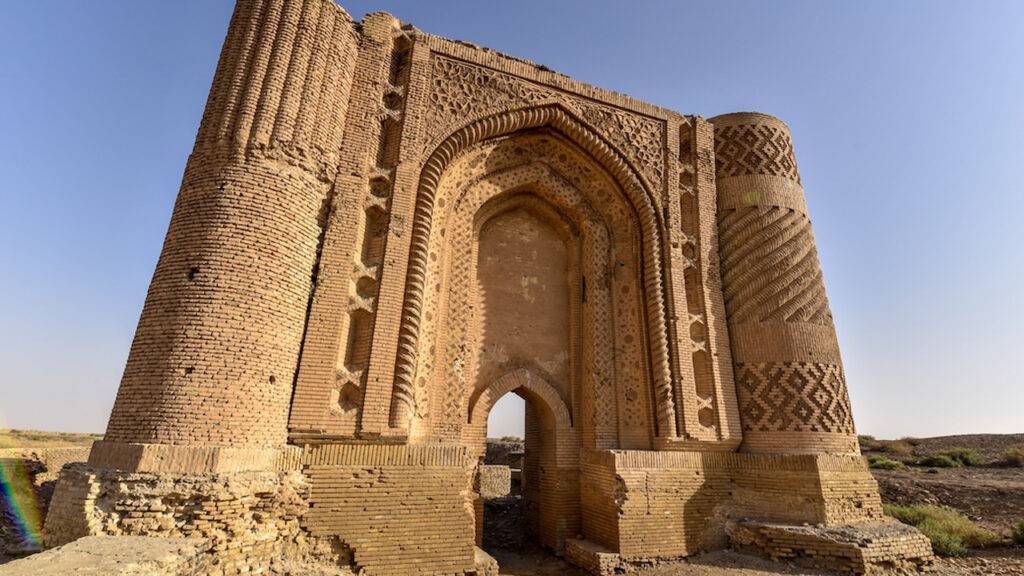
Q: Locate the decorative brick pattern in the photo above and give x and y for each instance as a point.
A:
(461, 90)
(788, 373)
(795, 397)
(420, 257)
(756, 148)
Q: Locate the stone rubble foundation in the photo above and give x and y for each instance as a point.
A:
(247, 520)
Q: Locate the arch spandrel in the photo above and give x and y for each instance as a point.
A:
(605, 158)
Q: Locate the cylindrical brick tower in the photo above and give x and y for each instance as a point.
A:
(208, 381)
(788, 372)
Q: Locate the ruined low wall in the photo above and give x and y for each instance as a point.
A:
(383, 509)
(507, 452)
(249, 520)
(875, 547)
(405, 510)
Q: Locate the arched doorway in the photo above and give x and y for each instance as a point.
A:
(550, 464)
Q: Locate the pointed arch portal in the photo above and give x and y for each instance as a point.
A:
(631, 192)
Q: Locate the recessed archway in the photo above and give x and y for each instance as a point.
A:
(536, 283)
(631, 194)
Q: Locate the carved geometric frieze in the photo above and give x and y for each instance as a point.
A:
(459, 91)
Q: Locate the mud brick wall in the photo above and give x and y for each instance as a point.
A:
(554, 510)
(249, 520)
(849, 494)
(595, 559)
(599, 488)
(44, 464)
(649, 505)
(821, 489)
(669, 502)
(401, 510)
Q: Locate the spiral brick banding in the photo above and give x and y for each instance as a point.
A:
(789, 377)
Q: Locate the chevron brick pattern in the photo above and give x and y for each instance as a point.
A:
(754, 149)
(794, 396)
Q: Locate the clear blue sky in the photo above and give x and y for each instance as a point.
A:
(908, 119)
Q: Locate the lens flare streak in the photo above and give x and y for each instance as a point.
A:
(19, 502)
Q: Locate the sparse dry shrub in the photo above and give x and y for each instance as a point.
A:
(938, 461)
(868, 443)
(1014, 457)
(951, 533)
(883, 463)
(900, 447)
(965, 456)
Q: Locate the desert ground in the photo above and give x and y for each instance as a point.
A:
(989, 492)
(40, 439)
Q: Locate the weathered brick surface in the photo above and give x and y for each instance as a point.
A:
(881, 547)
(381, 232)
(214, 354)
(400, 509)
(494, 480)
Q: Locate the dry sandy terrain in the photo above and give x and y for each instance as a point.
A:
(536, 563)
(39, 439)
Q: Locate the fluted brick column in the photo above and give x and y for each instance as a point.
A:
(788, 372)
(209, 378)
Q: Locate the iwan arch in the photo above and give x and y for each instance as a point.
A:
(381, 232)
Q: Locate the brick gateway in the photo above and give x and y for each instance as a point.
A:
(381, 232)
